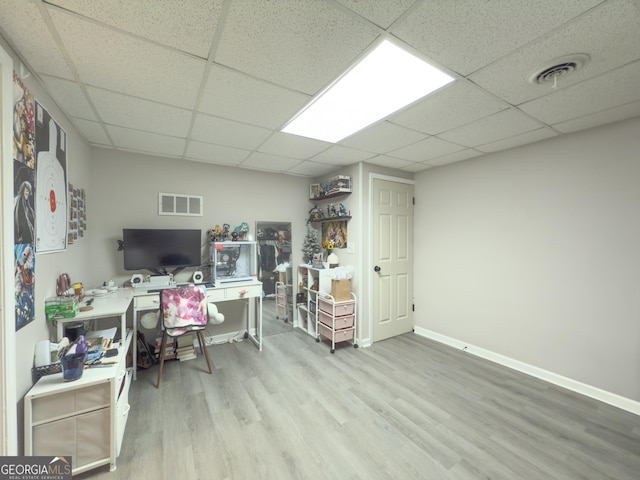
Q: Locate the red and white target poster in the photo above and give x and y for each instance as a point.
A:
(51, 183)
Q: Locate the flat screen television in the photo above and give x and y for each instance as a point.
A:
(158, 249)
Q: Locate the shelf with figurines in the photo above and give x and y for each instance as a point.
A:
(336, 186)
(334, 212)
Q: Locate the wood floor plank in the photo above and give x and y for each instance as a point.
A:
(404, 408)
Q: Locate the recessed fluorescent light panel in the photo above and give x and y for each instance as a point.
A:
(383, 82)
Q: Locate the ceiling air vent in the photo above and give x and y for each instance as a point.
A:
(561, 67)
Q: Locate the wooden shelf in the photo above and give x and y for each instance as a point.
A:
(331, 219)
(330, 195)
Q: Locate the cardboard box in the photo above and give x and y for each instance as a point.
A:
(341, 290)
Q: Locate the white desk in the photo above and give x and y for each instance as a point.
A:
(145, 300)
(113, 304)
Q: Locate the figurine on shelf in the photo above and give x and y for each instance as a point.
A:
(332, 211)
(225, 232)
(241, 231)
(315, 214)
(342, 211)
(215, 234)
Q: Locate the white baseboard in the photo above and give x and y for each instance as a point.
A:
(568, 383)
(223, 338)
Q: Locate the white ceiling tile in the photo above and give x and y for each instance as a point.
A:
(495, 127)
(467, 38)
(609, 90)
(432, 147)
(288, 45)
(271, 163)
(416, 167)
(518, 140)
(130, 139)
(226, 132)
(293, 146)
(132, 112)
(387, 161)
(161, 22)
(115, 61)
(311, 169)
(382, 138)
(457, 104)
(454, 157)
(609, 48)
(35, 42)
(339, 155)
(242, 98)
(216, 153)
(382, 13)
(92, 132)
(610, 115)
(69, 94)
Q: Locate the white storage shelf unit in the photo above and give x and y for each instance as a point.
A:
(311, 281)
(85, 418)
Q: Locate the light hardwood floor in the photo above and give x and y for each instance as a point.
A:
(406, 407)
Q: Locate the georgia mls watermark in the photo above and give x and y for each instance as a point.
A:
(35, 468)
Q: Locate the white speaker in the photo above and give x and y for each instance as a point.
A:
(198, 277)
(136, 278)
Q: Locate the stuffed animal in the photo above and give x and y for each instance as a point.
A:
(215, 317)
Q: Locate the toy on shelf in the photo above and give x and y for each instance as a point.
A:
(315, 214)
(240, 232)
(224, 234)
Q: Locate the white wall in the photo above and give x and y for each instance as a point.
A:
(534, 254)
(125, 189)
(49, 266)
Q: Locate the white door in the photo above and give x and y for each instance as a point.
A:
(392, 258)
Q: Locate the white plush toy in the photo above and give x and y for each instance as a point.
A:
(215, 317)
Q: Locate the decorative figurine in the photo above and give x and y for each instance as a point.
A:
(332, 211)
(241, 231)
(315, 214)
(342, 211)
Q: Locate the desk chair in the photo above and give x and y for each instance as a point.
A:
(183, 310)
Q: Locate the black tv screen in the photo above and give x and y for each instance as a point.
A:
(156, 250)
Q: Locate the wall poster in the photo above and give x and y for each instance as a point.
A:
(51, 183)
(23, 202)
(335, 231)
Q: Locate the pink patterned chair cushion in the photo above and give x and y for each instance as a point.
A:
(184, 309)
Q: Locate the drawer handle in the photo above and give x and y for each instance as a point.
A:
(243, 292)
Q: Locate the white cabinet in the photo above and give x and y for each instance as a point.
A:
(85, 418)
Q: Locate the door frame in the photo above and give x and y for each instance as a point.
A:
(8, 417)
(370, 261)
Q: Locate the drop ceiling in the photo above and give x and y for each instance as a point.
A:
(214, 81)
